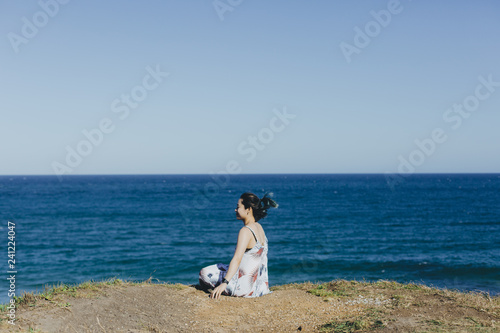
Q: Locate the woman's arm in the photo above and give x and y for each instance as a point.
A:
(243, 239)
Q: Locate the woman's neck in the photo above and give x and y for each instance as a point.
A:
(249, 222)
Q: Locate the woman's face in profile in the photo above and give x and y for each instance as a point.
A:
(240, 210)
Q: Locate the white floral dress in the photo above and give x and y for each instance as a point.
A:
(251, 278)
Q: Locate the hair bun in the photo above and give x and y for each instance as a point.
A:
(267, 202)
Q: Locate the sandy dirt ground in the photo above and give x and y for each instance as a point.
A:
(338, 306)
(156, 308)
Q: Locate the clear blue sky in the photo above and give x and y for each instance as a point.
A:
(227, 80)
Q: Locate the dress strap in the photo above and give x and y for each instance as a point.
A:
(252, 233)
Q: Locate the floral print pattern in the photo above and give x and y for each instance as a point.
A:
(251, 279)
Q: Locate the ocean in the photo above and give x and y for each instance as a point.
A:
(438, 229)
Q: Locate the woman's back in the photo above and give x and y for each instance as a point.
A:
(259, 233)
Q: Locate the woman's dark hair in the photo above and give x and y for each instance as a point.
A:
(259, 206)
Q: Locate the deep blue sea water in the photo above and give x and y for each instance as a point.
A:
(442, 230)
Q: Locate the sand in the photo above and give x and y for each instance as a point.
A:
(151, 307)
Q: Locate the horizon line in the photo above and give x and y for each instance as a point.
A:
(251, 174)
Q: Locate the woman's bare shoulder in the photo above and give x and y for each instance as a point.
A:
(257, 228)
(245, 229)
